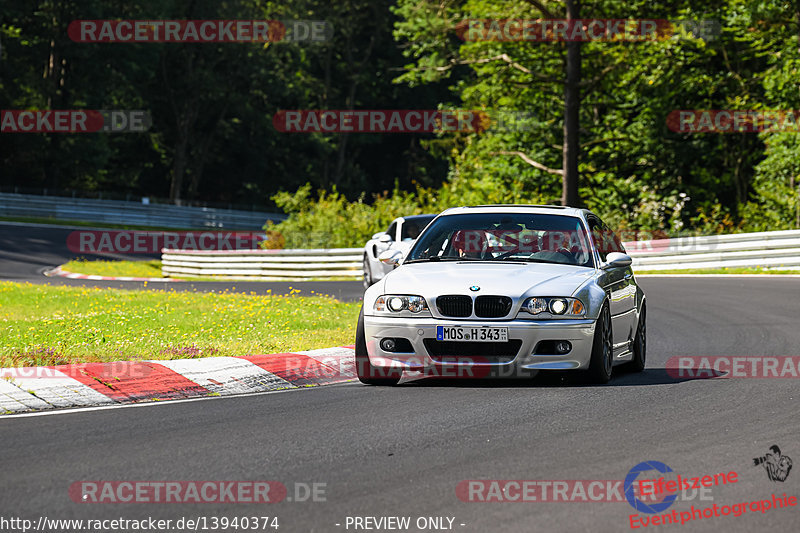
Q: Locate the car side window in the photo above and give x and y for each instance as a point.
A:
(410, 230)
(605, 240)
(596, 230)
(392, 231)
(614, 244)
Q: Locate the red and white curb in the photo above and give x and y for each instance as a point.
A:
(97, 384)
(61, 273)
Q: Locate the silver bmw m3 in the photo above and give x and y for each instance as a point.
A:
(505, 290)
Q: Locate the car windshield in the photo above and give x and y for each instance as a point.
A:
(525, 237)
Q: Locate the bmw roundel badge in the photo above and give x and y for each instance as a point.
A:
(474, 288)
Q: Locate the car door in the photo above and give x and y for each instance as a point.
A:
(618, 283)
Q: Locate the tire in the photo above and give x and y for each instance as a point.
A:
(367, 280)
(368, 374)
(639, 345)
(600, 366)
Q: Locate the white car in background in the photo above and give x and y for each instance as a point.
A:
(399, 236)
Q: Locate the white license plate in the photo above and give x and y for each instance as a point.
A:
(471, 334)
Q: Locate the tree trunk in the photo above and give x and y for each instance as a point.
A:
(572, 101)
(185, 108)
(178, 168)
(196, 171)
(54, 75)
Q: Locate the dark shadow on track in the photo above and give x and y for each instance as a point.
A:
(653, 376)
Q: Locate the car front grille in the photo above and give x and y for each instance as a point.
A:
(454, 305)
(492, 306)
(492, 351)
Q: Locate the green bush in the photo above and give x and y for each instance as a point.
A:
(332, 221)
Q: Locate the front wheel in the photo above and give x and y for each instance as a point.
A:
(366, 372)
(602, 349)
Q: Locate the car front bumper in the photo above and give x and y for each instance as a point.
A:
(579, 332)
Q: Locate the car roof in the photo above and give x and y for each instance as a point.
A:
(412, 218)
(517, 208)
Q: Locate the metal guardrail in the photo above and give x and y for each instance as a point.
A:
(264, 265)
(131, 213)
(774, 249)
(769, 249)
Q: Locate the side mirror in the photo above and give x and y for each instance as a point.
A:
(378, 235)
(617, 260)
(385, 238)
(390, 257)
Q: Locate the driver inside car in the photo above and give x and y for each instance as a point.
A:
(470, 244)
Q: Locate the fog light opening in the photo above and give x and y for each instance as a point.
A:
(563, 347)
(388, 345)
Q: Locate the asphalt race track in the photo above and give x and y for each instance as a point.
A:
(402, 451)
(27, 250)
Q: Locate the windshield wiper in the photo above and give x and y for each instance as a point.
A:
(551, 262)
(528, 260)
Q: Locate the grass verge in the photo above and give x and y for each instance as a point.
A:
(46, 325)
(741, 270)
(134, 269)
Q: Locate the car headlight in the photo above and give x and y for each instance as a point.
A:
(558, 306)
(399, 303)
(553, 306)
(535, 306)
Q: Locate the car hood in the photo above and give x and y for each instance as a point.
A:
(509, 279)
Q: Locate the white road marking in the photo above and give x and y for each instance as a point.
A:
(12, 398)
(154, 404)
(227, 376)
(58, 389)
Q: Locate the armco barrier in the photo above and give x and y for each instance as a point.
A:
(131, 213)
(769, 249)
(264, 265)
(774, 249)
